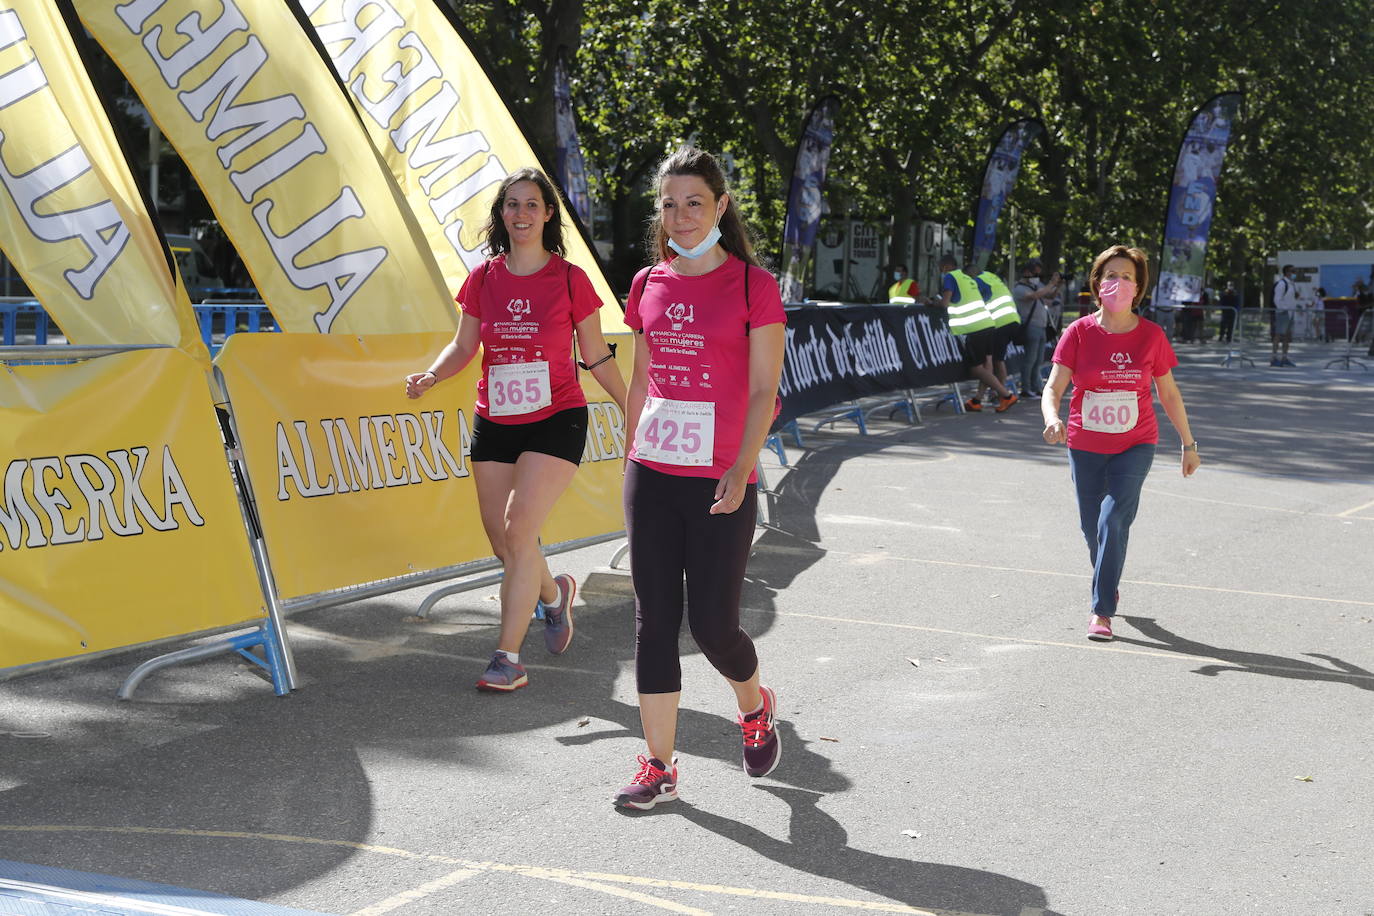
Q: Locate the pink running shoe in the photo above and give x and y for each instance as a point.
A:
(653, 783)
(762, 744)
(1100, 632)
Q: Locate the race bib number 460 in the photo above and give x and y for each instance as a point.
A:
(518, 388)
(1110, 411)
(677, 432)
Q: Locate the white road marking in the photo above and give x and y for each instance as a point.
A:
(1347, 512)
(1223, 502)
(1082, 646)
(589, 880)
(632, 895)
(396, 901)
(883, 523)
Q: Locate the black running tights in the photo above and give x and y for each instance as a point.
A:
(672, 535)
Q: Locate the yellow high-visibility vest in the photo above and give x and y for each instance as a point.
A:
(1000, 304)
(970, 313)
(903, 288)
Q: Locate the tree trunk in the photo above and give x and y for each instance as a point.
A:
(903, 219)
(1057, 177)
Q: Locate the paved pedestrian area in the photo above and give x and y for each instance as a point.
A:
(952, 743)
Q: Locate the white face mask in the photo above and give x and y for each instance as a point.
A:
(700, 248)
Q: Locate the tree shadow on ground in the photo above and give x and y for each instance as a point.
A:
(1339, 672)
(818, 844)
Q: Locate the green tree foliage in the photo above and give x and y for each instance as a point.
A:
(927, 86)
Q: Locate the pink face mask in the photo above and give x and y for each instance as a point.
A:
(1116, 295)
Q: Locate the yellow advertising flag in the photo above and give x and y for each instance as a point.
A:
(117, 527)
(439, 123)
(592, 505)
(72, 219)
(240, 91)
(356, 483)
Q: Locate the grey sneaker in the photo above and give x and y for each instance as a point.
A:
(653, 783)
(558, 619)
(502, 675)
(762, 743)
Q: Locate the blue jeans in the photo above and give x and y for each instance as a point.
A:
(1108, 495)
(1034, 358)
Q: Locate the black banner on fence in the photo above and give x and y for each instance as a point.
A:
(840, 353)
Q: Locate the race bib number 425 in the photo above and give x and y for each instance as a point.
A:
(518, 388)
(677, 432)
(1110, 411)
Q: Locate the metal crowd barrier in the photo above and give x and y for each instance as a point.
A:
(218, 319)
(284, 607)
(1366, 318)
(267, 636)
(225, 315)
(12, 309)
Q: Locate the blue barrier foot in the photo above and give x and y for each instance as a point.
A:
(774, 442)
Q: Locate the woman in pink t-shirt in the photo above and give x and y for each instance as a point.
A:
(523, 305)
(708, 354)
(1112, 357)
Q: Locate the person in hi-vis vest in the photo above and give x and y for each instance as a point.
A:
(1006, 322)
(971, 322)
(903, 286)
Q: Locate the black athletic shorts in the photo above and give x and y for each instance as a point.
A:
(562, 435)
(978, 346)
(1005, 335)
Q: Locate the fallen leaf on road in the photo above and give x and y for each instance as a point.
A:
(583, 721)
(1303, 778)
(911, 833)
(824, 738)
(914, 661)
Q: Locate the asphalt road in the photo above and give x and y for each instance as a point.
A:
(952, 743)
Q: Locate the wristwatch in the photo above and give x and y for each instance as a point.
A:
(1191, 447)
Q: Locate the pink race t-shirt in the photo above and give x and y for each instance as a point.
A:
(528, 320)
(1112, 408)
(697, 332)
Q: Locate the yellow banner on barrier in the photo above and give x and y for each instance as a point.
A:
(241, 92)
(356, 483)
(73, 220)
(117, 527)
(439, 123)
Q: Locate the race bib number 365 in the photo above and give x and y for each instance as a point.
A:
(1110, 411)
(677, 432)
(518, 388)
